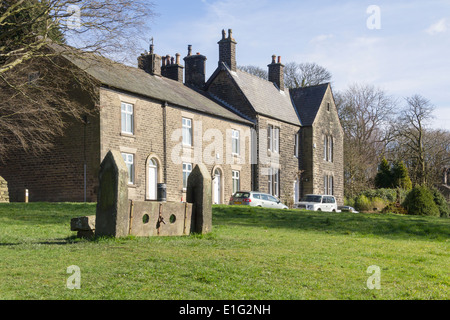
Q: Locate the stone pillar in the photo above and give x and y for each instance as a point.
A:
(199, 193)
(112, 218)
(4, 193)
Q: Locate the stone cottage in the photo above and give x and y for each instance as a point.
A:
(164, 118)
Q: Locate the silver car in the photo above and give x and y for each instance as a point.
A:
(256, 199)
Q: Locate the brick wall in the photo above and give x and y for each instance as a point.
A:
(148, 142)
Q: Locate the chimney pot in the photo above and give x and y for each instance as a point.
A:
(273, 58)
(178, 58)
(223, 34)
(189, 50)
(279, 59)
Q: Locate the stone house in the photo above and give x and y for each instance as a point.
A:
(293, 127)
(164, 118)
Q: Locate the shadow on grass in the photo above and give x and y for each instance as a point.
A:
(385, 225)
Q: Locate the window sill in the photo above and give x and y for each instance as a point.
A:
(128, 135)
(132, 186)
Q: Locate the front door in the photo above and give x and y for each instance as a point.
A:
(152, 179)
(216, 187)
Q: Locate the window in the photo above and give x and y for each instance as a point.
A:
(236, 181)
(273, 182)
(235, 142)
(273, 138)
(187, 169)
(328, 148)
(127, 118)
(296, 144)
(129, 162)
(328, 184)
(187, 131)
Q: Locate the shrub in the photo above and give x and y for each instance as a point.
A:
(420, 201)
(378, 203)
(394, 207)
(362, 203)
(441, 203)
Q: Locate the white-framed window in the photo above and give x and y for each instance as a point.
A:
(330, 148)
(276, 140)
(129, 162)
(328, 182)
(330, 185)
(273, 138)
(235, 142)
(236, 180)
(296, 144)
(127, 115)
(273, 182)
(187, 169)
(187, 131)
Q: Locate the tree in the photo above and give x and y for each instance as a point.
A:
(35, 80)
(256, 71)
(305, 75)
(410, 131)
(296, 75)
(383, 179)
(400, 176)
(366, 113)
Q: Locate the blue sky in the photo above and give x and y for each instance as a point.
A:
(407, 53)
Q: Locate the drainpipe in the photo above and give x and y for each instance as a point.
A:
(164, 106)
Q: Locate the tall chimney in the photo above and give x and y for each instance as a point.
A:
(227, 50)
(173, 69)
(195, 69)
(150, 62)
(276, 72)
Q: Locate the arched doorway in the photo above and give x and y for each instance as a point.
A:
(152, 179)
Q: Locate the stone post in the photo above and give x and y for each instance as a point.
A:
(199, 193)
(112, 218)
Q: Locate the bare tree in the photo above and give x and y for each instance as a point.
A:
(365, 113)
(37, 84)
(305, 74)
(410, 130)
(256, 71)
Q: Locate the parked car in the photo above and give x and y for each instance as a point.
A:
(347, 209)
(315, 202)
(256, 199)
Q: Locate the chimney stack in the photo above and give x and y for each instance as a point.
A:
(276, 72)
(195, 69)
(227, 50)
(172, 68)
(150, 62)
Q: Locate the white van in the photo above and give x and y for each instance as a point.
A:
(315, 202)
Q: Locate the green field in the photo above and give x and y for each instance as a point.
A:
(252, 253)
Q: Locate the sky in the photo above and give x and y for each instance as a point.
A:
(401, 47)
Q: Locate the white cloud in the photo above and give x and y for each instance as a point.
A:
(322, 37)
(438, 27)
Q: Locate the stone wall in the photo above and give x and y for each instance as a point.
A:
(151, 141)
(4, 193)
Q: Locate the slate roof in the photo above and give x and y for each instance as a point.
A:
(307, 101)
(265, 98)
(137, 81)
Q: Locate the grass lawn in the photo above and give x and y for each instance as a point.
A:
(252, 253)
